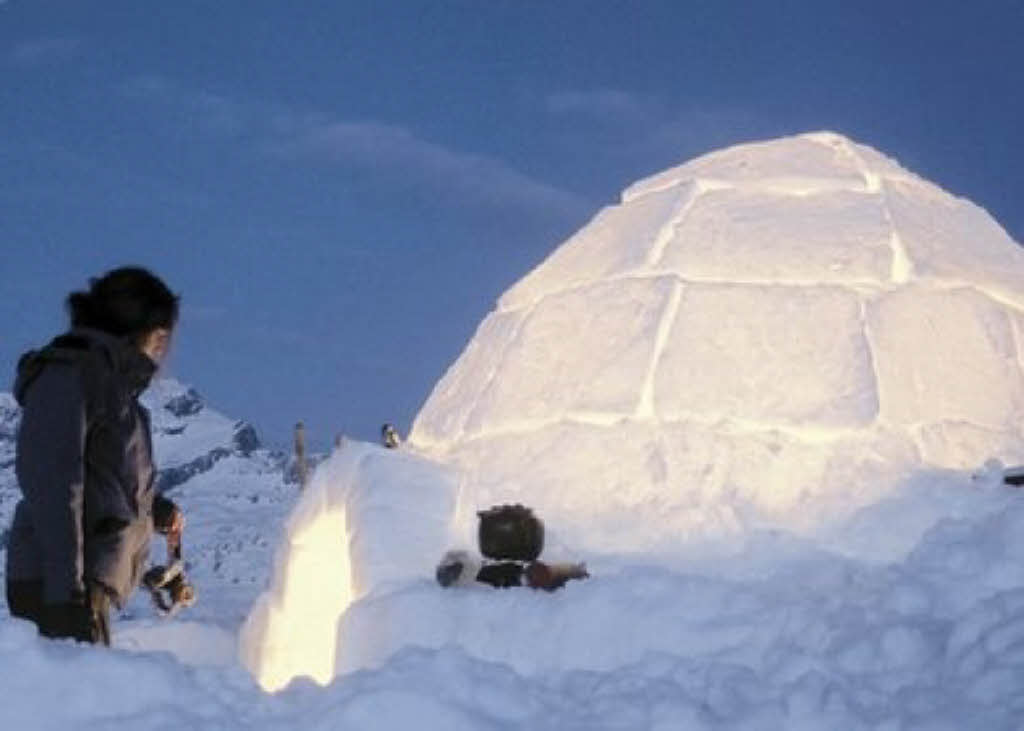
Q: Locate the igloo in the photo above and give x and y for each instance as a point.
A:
(781, 323)
(767, 338)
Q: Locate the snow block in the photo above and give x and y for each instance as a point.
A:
(775, 355)
(738, 235)
(585, 350)
(638, 487)
(615, 243)
(340, 544)
(946, 356)
(590, 485)
(961, 445)
(443, 419)
(953, 240)
(397, 489)
(797, 164)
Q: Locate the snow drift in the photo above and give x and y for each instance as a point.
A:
(789, 336)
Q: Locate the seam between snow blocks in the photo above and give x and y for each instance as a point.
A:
(668, 231)
(724, 425)
(645, 408)
(525, 315)
(865, 327)
(1017, 333)
(902, 269)
(855, 285)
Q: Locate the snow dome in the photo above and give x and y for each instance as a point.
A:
(776, 323)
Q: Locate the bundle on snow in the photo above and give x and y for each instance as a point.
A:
(512, 537)
(1014, 476)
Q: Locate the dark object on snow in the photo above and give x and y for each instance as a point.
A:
(448, 572)
(540, 575)
(459, 568)
(502, 574)
(510, 533)
(389, 436)
(1014, 476)
(512, 537)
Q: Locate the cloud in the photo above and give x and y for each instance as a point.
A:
(213, 113)
(41, 51)
(608, 105)
(652, 130)
(394, 152)
(390, 154)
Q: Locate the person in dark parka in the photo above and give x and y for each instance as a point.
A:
(80, 537)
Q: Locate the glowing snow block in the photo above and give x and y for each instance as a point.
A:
(779, 478)
(805, 485)
(398, 516)
(735, 235)
(585, 350)
(616, 242)
(444, 416)
(1017, 318)
(946, 356)
(954, 240)
(370, 520)
(798, 165)
(376, 628)
(592, 485)
(773, 355)
(612, 461)
(683, 482)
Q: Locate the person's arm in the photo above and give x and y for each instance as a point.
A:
(51, 471)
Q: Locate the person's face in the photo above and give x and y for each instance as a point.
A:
(155, 344)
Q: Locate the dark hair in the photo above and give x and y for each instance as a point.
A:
(129, 301)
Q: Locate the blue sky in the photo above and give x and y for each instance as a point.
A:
(340, 191)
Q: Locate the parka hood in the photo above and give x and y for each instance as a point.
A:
(120, 356)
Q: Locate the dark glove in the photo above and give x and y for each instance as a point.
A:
(166, 516)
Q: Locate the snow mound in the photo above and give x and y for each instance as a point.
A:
(745, 339)
(370, 521)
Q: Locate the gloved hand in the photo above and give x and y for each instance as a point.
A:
(167, 518)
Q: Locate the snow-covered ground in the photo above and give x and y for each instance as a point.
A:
(782, 633)
(757, 398)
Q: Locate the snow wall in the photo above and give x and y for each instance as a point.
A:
(770, 337)
(340, 546)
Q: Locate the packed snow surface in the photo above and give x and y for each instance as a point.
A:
(764, 398)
